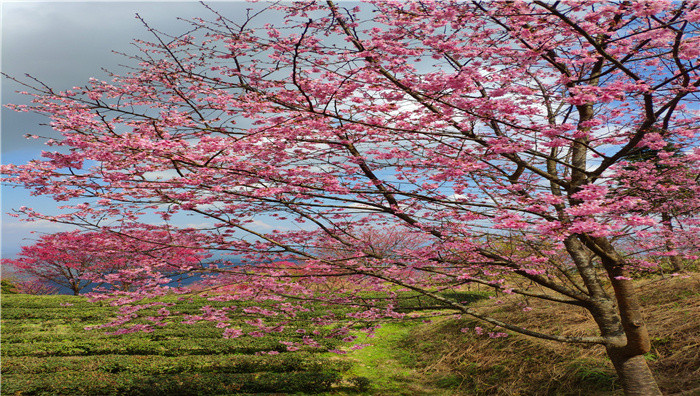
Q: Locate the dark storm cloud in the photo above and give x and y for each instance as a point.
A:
(64, 44)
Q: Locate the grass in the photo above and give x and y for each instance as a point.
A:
(388, 368)
(46, 352)
(446, 359)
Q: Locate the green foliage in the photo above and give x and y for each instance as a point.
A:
(362, 384)
(188, 383)
(590, 376)
(8, 286)
(46, 351)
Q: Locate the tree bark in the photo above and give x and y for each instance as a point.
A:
(621, 322)
(634, 373)
(674, 259)
(627, 342)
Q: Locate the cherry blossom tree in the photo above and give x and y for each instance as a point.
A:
(84, 260)
(670, 198)
(55, 259)
(13, 284)
(390, 244)
(502, 133)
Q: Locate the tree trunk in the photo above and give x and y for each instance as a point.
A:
(676, 263)
(674, 259)
(628, 359)
(622, 324)
(634, 373)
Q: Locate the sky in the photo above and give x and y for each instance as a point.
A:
(63, 44)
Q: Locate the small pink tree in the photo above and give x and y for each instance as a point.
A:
(21, 285)
(63, 259)
(499, 131)
(77, 260)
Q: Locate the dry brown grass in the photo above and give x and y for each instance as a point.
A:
(472, 364)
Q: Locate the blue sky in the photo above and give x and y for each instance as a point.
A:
(64, 44)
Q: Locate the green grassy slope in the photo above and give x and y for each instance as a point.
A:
(45, 351)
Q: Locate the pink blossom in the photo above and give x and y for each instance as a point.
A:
(374, 160)
(232, 333)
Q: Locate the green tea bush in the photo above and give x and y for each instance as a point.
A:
(46, 351)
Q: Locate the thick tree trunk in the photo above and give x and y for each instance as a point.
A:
(634, 373)
(620, 320)
(626, 351)
(628, 359)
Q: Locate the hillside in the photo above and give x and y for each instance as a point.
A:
(46, 352)
(440, 354)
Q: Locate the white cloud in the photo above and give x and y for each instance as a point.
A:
(39, 226)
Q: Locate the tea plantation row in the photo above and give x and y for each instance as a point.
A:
(46, 351)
